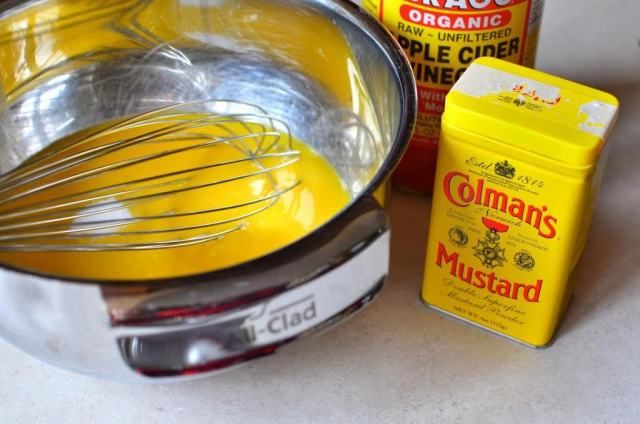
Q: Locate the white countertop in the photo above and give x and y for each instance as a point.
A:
(399, 362)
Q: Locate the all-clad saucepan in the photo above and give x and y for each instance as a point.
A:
(69, 65)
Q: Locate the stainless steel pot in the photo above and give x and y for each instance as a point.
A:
(72, 64)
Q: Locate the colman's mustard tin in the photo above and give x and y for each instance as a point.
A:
(521, 161)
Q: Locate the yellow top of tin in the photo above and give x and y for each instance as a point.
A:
(533, 111)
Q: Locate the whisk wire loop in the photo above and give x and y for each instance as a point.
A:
(127, 185)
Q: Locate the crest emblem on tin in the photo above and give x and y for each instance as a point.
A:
(458, 236)
(489, 251)
(505, 169)
(524, 260)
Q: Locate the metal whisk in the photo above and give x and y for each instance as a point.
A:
(140, 183)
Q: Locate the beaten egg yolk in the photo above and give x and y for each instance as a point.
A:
(317, 195)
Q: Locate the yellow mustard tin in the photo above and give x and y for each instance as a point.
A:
(520, 164)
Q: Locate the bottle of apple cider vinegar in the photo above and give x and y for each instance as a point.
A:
(441, 39)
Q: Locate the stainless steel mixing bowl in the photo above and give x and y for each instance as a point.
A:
(69, 64)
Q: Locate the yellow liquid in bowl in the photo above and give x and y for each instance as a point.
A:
(318, 196)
